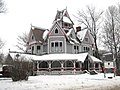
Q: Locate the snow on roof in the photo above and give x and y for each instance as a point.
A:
(75, 40)
(66, 19)
(45, 34)
(27, 56)
(33, 27)
(64, 56)
(69, 32)
(80, 57)
(107, 54)
(72, 42)
(95, 59)
(81, 34)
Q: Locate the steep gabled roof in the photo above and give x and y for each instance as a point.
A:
(64, 16)
(81, 34)
(38, 33)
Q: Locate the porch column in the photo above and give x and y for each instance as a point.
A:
(62, 68)
(74, 65)
(80, 63)
(99, 66)
(37, 65)
(94, 66)
(49, 62)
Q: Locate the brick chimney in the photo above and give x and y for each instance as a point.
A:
(78, 28)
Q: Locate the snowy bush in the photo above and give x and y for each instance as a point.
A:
(21, 69)
(19, 74)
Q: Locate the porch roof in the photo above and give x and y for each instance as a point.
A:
(53, 57)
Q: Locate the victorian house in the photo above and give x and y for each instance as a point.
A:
(62, 49)
(62, 37)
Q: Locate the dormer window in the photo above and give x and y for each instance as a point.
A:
(56, 31)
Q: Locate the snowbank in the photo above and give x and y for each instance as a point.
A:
(61, 82)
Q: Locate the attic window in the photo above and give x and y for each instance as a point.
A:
(32, 37)
(86, 39)
(56, 31)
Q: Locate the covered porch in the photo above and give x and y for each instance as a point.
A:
(65, 63)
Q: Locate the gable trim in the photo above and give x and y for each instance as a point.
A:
(57, 27)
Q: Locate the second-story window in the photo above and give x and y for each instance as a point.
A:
(86, 49)
(52, 44)
(60, 44)
(56, 46)
(76, 49)
(32, 49)
(38, 49)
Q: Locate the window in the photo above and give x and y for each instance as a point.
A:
(56, 44)
(32, 49)
(32, 37)
(96, 65)
(56, 31)
(76, 49)
(60, 44)
(52, 44)
(86, 49)
(38, 47)
(86, 39)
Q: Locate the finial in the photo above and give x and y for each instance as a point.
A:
(66, 7)
(9, 50)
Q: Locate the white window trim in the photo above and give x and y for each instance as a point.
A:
(54, 46)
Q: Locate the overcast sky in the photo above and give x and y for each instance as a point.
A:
(21, 13)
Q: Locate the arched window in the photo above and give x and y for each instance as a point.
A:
(56, 31)
(68, 64)
(43, 65)
(56, 64)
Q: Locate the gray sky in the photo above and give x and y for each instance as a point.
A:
(41, 13)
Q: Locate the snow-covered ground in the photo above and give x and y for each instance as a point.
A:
(61, 82)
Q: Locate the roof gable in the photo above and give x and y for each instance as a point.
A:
(36, 34)
(55, 26)
(64, 16)
(82, 35)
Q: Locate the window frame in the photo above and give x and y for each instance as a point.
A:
(56, 31)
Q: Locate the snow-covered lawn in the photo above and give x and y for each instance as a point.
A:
(61, 82)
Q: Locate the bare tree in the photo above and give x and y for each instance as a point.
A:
(2, 7)
(2, 10)
(111, 33)
(1, 44)
(91, 20)
(22, 41)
